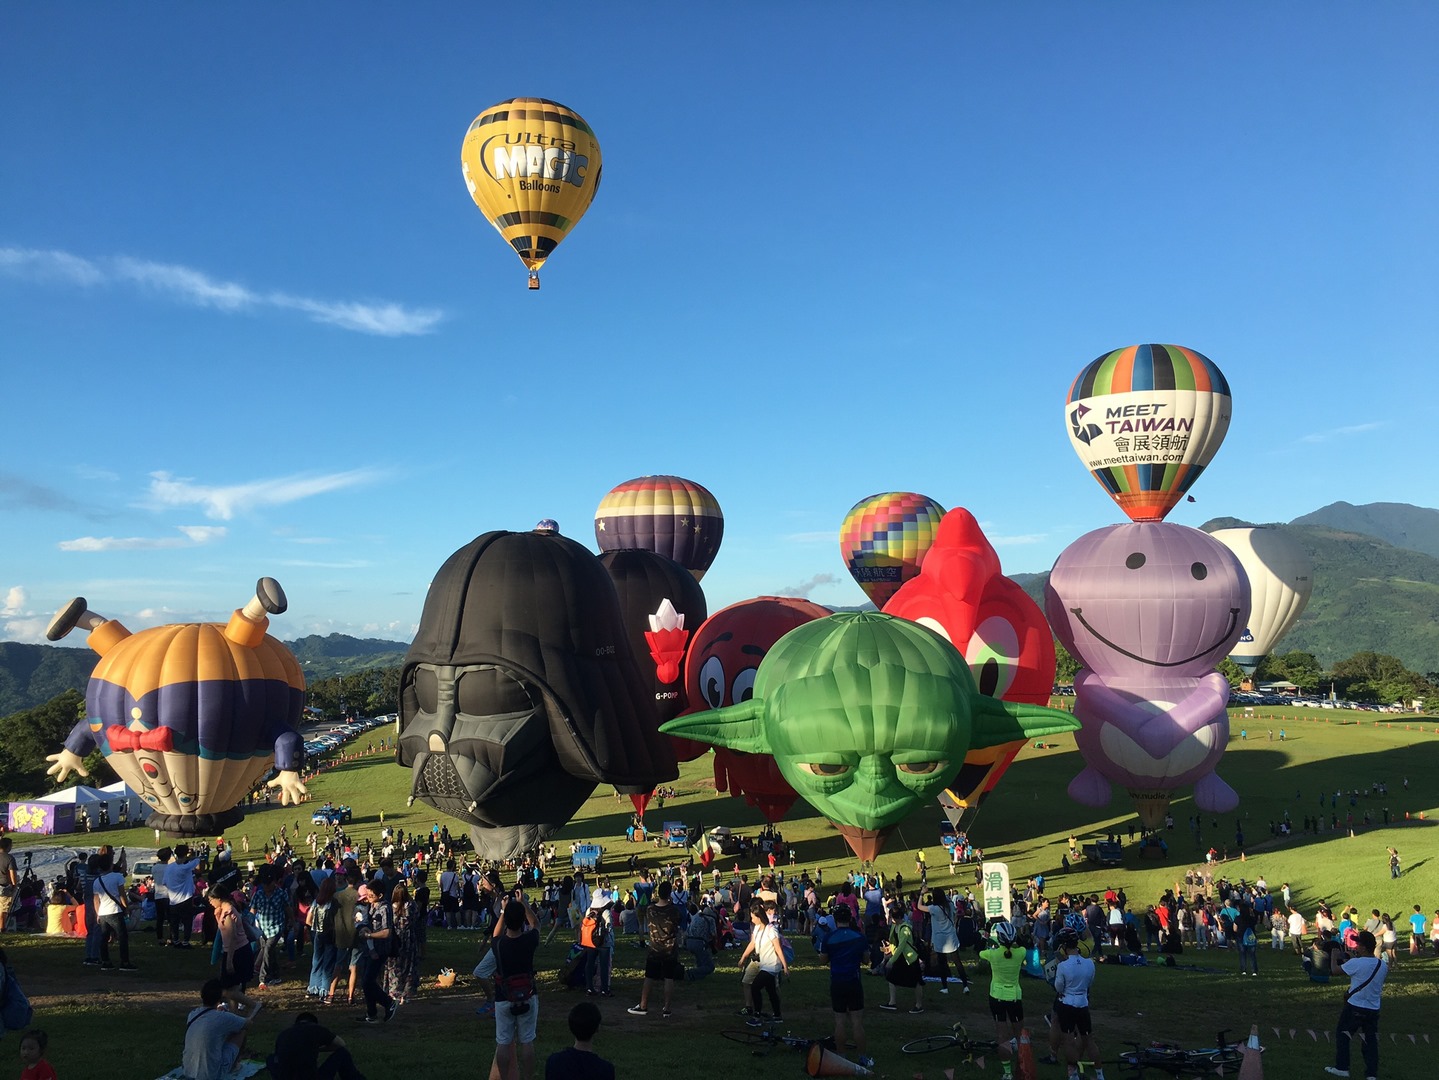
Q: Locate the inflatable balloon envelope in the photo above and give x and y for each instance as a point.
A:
(669, 515)
(720, 670)
(1281, 579)
(1149, 609)
(521, 691)
(1146, 420)
(961, 594)
(865, 715)
(533, 167)
(192, 716)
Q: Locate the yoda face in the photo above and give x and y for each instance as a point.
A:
(867, 716)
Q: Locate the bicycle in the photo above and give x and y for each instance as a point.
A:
(765, 1039)
(1181, 1063)
(957, 1039)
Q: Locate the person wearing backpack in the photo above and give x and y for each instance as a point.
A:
(595, 940)
(1247, 934)
(321, 923)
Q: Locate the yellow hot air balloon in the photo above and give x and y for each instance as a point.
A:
(532, 167)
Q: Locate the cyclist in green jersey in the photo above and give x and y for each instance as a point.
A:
(1005, 959)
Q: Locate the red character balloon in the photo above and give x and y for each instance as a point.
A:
(962, 594)
(720, 669)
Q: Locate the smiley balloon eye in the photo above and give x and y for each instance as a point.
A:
(824, 768)
(149, 768)
(1135, 561)
(921, 768)
(1200, 571)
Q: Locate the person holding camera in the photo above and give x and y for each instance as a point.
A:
(517, 1006)
(1360, 1011)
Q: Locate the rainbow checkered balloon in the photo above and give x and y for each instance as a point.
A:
(884, 539)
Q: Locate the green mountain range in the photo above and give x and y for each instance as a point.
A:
(1371, 592)
(1376, 587)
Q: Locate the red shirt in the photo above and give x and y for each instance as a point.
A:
(41, 1070)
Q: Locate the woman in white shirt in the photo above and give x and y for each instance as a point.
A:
(944, 939)
(764, 942)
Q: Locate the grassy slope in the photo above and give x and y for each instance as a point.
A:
(135, 1023)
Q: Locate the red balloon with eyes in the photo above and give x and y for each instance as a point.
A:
(720, 668)
(962, 594)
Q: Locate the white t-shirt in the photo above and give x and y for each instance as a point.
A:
(1359, 969)
(204, 1057)
(108, 890)
(767, 950)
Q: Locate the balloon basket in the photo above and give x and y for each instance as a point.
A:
(534, 279)
(185, 825)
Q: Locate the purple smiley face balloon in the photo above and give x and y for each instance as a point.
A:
(1147, 600)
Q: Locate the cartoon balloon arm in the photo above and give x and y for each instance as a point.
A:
(66, 762)
(292, 791)
(995, 721)
(1157, 733)
(738, 727)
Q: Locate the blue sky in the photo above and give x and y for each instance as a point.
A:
(252, 324)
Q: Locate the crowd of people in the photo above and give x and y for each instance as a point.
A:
(363, 912)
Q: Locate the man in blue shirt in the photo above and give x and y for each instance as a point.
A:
(845, 948)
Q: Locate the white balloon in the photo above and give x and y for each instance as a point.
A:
(1281, 577)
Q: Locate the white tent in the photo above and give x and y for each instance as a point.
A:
(80, 795)
(119, 792)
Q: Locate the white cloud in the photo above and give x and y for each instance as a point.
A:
(15, 601)
(187, 285)
(193, 536)
(225, 501)
(30, 630)
(1342, 432)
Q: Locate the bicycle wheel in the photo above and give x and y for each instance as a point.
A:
(929, 1044)
(757, 1039)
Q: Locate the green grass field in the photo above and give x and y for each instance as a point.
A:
(133, 1024)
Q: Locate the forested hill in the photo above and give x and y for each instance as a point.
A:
(1369, 593)
(1405, 526)
(31, 675)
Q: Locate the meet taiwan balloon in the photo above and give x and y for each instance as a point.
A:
(669, 515)
(1281, 578)
(884, 538)
(866, 714)
(520, 692)
(961, 593)
(1146, 420)
(1149, 609)
(533, 167)
(193, 715)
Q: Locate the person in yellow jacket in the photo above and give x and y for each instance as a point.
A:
(905, 968)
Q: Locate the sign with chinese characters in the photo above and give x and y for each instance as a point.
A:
(42, 817)
(995, 890)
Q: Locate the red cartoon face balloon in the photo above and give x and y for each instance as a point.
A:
(720, 669)
(962, 595)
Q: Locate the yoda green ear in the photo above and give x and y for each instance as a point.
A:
(737, 727)
(995, 721)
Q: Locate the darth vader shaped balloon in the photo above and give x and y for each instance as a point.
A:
(521, 692)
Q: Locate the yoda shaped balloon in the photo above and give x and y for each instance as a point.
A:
(867, 716)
